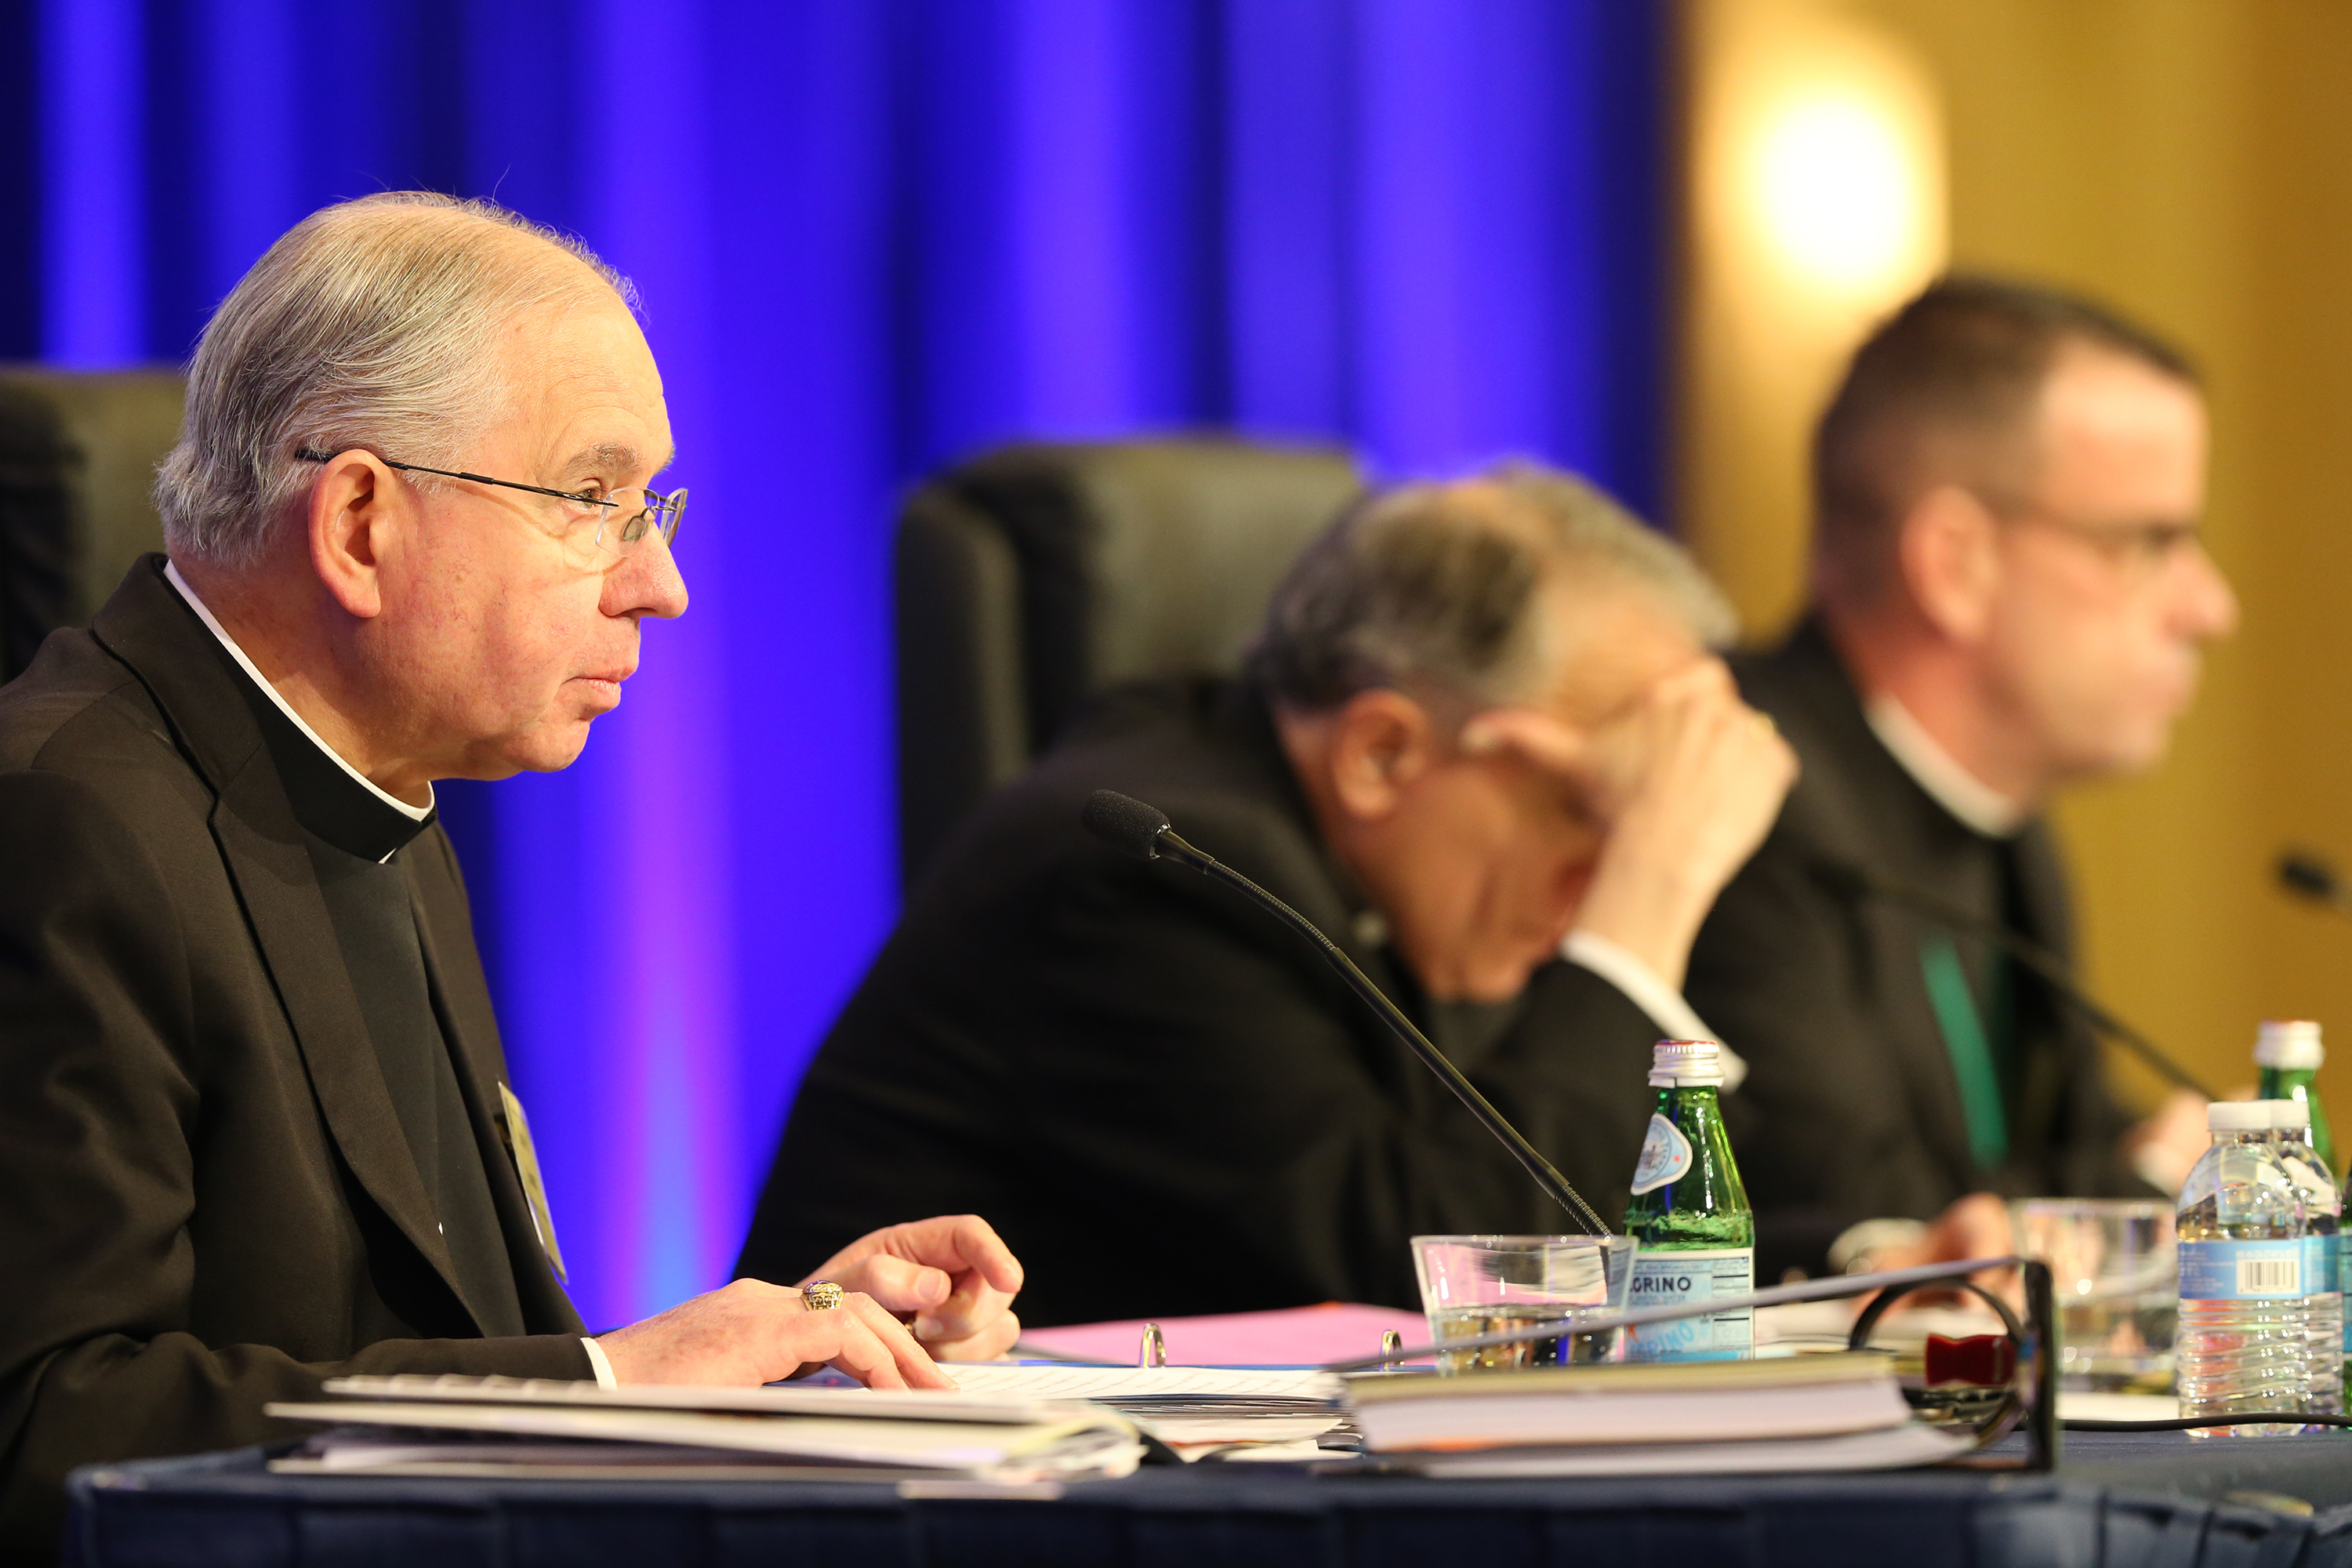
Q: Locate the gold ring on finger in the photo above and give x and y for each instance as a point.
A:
(820, 1296)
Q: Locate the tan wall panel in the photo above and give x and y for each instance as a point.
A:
(2190, 161)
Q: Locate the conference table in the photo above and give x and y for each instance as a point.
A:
(2152, 1499)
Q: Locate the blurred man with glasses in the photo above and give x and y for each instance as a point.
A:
(254, 1123)
(2008, 596)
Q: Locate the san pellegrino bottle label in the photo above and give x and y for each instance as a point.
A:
(2244, 1270)
(1689, 1211)
(1666, 1156)
(1700, 1274)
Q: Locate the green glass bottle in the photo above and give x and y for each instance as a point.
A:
(1689, 1211)
(2289, 1055)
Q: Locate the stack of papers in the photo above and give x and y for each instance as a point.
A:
(506, 1427)
(1238, 1412)
(1836, 1411)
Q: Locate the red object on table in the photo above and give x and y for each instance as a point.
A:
(1983, 1361)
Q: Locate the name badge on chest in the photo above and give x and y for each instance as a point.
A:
(526, 1159)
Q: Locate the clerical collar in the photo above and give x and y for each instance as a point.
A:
(330, 796)
(1937, 771)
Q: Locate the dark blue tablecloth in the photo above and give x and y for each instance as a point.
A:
(2118, 1500)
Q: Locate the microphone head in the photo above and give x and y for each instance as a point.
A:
(2301, 871)
(1123, 820)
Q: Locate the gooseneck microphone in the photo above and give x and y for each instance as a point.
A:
(2308, 875)
(1858, 882)
(1144, 831)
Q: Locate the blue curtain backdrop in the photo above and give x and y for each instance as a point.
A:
(872, 235)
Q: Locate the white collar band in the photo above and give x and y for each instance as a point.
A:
(1975, 804)
(413, 812)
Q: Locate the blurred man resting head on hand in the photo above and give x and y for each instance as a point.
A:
(2010, 596)
(1484, 745)
(255, 1126)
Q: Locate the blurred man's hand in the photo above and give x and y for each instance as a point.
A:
(1684, 782)
(1974, 1226)
(2162, 1148)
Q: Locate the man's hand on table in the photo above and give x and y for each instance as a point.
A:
(751, 1332)
(1976, 1225)
(953, 1278)
(945, 1283)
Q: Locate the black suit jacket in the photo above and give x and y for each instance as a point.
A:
(209, 1201)
(1166, 1102)
(1852, 1107)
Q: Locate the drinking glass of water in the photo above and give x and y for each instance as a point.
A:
(2112, 1267)
(1476, 1285)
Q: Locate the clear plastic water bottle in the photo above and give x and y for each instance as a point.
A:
(2323, 1212)
(1689, 1211)
(2244, 1346)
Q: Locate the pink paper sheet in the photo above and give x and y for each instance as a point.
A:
(1295, 1336)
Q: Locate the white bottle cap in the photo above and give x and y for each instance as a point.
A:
(1686, 1064)
(2289, 1043)
(2288, 1115)
(2238, 1115)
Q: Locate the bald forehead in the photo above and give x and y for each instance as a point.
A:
(2119, 438)
(1607, 641)
(2090, 384)
(582, 383)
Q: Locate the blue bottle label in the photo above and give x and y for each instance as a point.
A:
(1703, 1274)
(2245, 1270)
(2343, 1283)
(1666, 1156)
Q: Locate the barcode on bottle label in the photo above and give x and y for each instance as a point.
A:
(2243, 1270)
(2269, 1276)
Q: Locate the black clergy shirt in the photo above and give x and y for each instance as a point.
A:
(355, 834)
(1163, 1100)
(251, 1083)
(1859, 1103)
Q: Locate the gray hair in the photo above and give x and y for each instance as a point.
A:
(1438, 584)
(365, 325)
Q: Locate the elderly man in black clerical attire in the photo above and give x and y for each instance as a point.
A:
(2008, 596)
(254, 1123)
(1482, 745)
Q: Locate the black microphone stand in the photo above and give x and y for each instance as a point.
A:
(2048, 965)
(1157, 839)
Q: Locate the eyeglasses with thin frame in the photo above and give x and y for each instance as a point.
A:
(2143, 548)
(624, 519)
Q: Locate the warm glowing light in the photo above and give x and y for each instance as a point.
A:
(1841, 191)
(1817, 192)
